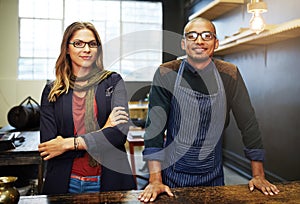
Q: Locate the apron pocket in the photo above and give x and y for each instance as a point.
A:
(189, 159)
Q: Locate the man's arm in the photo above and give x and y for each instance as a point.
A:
(247, 123)
(159, 105)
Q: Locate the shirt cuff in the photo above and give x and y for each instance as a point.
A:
(255, 154)
(153, 153)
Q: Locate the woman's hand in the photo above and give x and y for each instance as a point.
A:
(117, 116)
(55, 147)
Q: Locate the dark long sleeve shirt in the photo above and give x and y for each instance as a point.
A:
(237, 97)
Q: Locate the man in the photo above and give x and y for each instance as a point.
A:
(190, 99)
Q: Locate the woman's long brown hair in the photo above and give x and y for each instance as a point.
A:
(63, 67)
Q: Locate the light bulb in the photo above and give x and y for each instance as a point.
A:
(257, 23)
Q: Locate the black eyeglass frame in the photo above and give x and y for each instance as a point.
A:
(201, 34)
(84, 44)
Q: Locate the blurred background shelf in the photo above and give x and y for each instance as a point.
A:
(217, 8)
(271, 35)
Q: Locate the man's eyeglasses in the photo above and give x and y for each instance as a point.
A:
(81, 44)
(206, 35)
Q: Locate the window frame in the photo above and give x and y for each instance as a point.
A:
(118, 65)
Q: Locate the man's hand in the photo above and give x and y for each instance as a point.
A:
(263, 185)
(155, 186)
(153, 190)
(258, 181)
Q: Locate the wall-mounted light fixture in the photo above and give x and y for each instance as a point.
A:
(257, 7)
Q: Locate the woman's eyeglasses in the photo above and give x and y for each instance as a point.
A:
(81, 44)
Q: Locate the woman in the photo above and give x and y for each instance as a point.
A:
(84, 120)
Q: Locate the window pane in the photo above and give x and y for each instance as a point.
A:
(99, 13)
(135, 69)
(34, 68)
(41, 8)
(142, 39)
(90, 10)
(25, 68)
(44, 67)
(130, 32)
(142, 12)
(40, 38)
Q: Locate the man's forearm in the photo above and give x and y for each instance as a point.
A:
(257, 169)
(154, 171)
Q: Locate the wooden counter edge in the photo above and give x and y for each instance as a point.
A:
(289, 193)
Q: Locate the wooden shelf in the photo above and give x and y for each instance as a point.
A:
(138, 110)
(248, 40)
(217, 8)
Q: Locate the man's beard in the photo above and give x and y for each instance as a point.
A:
(199, 58)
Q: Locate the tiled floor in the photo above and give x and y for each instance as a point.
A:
(231, 177)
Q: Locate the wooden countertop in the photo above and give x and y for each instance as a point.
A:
(237, 194)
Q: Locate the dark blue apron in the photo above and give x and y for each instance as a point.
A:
(193, 143)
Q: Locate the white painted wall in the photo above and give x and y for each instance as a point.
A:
(12, 91)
